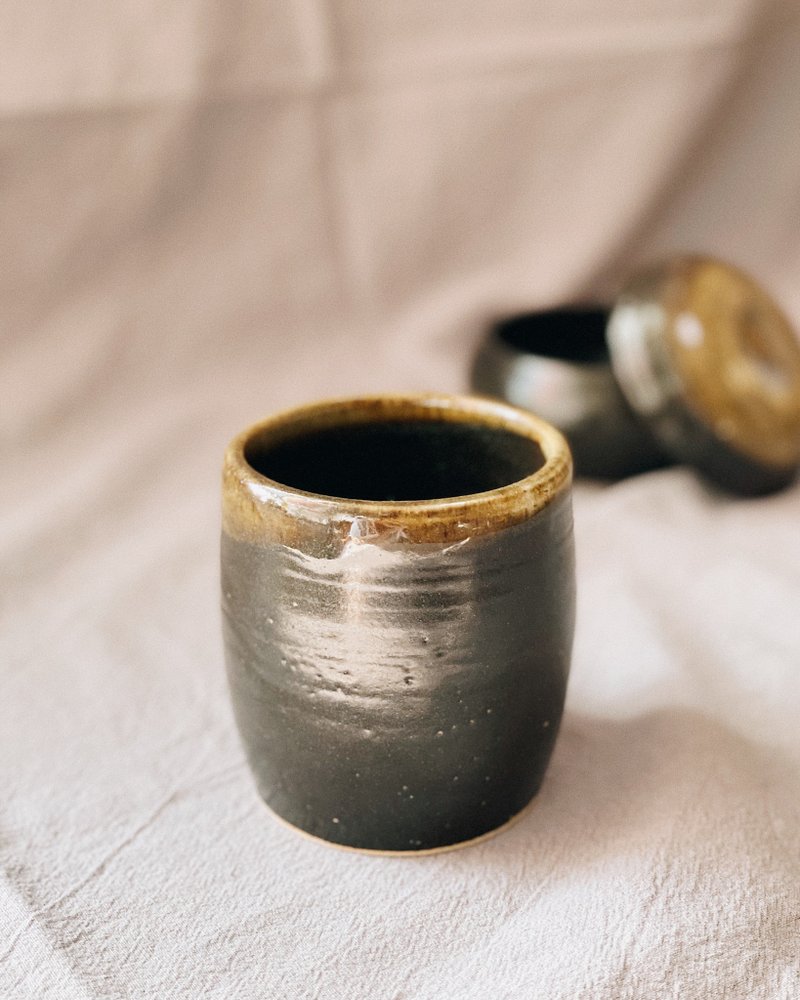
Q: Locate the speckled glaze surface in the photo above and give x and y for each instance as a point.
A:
(556, 363)
(398, 667)
(713, 365)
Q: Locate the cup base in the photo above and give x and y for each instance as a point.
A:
(422, 852)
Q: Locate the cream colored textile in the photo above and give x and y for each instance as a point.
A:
(211, 210)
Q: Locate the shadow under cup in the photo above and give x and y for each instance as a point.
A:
(398, 609)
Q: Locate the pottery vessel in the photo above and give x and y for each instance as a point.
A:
(709, 359)
(694, 362)
(398, 605)
(556, 363)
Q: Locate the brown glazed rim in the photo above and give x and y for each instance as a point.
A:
(258, 509)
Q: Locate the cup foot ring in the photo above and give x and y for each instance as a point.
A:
(422, 852)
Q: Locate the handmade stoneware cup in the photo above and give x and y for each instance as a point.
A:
(398, 604)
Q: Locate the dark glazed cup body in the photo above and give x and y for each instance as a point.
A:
(398, 663)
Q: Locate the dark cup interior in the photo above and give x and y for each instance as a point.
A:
(577, 334)
(393, 460)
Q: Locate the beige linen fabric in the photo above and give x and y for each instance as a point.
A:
(210, 211)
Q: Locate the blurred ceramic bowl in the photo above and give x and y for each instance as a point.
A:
(709, 360)
(557, 364)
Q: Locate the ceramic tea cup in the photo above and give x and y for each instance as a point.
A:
(398, 606)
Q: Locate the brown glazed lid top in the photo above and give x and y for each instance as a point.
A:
(712, 364)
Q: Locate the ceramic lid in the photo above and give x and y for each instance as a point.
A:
(709, 360)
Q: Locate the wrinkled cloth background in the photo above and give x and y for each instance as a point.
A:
(210, 211)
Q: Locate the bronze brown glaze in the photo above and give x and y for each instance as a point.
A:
(398, 606)
(556, 363)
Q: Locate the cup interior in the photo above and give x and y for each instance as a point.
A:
(394, 458)
(572, 334)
